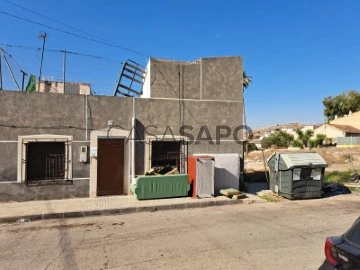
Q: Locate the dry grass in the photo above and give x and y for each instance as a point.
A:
(338, 159)
(270, 198)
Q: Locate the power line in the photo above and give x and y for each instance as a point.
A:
(62, 51)
(50, 19)
(73, 34)
(10, 70)
(15, 62)
(77, 35)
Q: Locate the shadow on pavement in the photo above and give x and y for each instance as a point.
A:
(253, 188)
(255, 181)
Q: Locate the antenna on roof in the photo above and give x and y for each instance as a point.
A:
(43, 36)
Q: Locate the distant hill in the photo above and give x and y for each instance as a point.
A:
(293, 126)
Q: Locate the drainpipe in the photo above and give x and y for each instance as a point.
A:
(86, 118)
(132, 150)
(133, 144)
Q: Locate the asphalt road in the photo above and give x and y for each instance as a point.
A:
(284, 235)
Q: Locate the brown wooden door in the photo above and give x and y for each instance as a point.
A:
(110, 170)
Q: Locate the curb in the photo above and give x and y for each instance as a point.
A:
(127, 210)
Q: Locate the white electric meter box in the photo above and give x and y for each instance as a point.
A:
(83, 154)
(93, 152)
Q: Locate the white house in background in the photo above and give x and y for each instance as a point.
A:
(333, 131)
(310, 127)
(290, 131)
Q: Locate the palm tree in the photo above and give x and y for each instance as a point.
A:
(247, 80)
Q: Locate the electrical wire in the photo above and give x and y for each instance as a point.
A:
(73, 34)
(14, 61)
(50, 19)
(62, 51)
(76, 35)
(19, 67)
(73, 28)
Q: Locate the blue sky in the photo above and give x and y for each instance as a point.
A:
(297, 52)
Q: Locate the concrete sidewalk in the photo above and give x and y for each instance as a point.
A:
(82, 207)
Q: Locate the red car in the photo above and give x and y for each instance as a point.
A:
(343, 252)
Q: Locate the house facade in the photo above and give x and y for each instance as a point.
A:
(62, 146)
(352, 119)
(334, 131)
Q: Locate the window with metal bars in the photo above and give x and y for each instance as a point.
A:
(45, 161)
(168, 154)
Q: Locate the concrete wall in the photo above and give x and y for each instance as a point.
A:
(217, 78)
(222, 78)
(24, 113)
(210, 94)
(50, 191)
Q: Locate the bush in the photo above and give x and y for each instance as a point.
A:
(318, 141)
(279, 138)
(297, 143)
(251, 147)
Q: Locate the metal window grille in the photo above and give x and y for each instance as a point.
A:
(45, 161)
(169, 153)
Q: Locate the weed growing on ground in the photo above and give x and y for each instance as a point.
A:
(338, 177)
(270, 198)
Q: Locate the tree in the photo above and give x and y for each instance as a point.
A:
(303, 138)
(342, 104)
(318, 141)
(247, 80)
(279, 138)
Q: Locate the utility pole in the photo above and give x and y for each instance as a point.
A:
(23, 79)
(64, 70)
(43, 36)
(1, 84)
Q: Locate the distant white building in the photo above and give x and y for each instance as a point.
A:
(58, 87)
